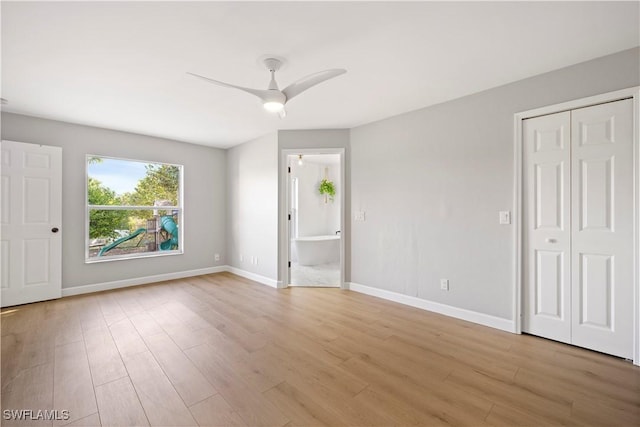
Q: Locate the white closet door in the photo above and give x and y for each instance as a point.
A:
(31, 213)
(547, 227)
(602, 228)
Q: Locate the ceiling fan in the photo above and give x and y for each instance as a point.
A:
(274, 99)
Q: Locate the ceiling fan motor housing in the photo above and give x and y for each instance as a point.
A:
(274, 95)
(272, 64)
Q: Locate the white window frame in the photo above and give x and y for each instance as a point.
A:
(88, 208)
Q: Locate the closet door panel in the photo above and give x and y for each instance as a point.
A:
(602, 228)
(546, 263)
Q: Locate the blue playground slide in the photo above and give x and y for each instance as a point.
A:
(121, 240)
(168, 224)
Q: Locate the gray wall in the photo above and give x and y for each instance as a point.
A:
(204, 198)
(257, 197)
(308, 139)
(430, 181)
(252, 227)
(433, 180)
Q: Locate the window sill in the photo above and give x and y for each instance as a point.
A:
(97, 260)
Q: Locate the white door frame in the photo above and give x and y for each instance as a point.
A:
(633, 92)
(285, 254)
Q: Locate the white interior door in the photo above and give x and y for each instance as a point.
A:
(578, 227)
(602, 228)
(547, 226)
(30, 217)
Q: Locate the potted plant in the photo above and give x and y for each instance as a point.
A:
(327, 189)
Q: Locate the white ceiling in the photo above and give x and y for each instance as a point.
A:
(122, 65)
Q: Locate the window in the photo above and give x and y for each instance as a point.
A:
(134, 209)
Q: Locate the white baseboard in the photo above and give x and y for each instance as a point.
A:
(447, 310)
(253, 276)
(436, 307)
(105, 286)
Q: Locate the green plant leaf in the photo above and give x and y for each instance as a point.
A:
(327, 187)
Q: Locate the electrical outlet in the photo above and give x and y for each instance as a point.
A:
(256, 261)
(241, 258)
(444, 284)
(216, 257)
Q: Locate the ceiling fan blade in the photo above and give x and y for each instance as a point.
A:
(262, 94)
(310, 81)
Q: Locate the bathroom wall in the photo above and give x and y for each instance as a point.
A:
(315, 217)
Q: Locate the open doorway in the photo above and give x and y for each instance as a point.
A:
(315, 205)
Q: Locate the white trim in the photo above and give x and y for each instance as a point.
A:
(580, 103)
(252, 276)
(633, 92)
(97, 260)
(436, 307)
(105, 286)
(136, 281)
(283, 204)
(517, 238)
(636, 225)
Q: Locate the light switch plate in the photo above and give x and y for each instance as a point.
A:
(505, 217)
(359, 216)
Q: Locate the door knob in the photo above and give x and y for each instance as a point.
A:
(550, 240)
(55, 229)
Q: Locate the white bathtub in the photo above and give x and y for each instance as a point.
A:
(314, 250)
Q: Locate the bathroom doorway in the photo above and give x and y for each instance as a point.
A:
(315, 187)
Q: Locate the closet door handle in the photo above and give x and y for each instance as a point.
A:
(550, 240)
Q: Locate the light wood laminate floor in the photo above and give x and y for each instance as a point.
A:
(222, 350)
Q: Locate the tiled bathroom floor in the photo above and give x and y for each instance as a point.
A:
(323, 275)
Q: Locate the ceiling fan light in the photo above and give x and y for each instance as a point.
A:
(273, 106)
